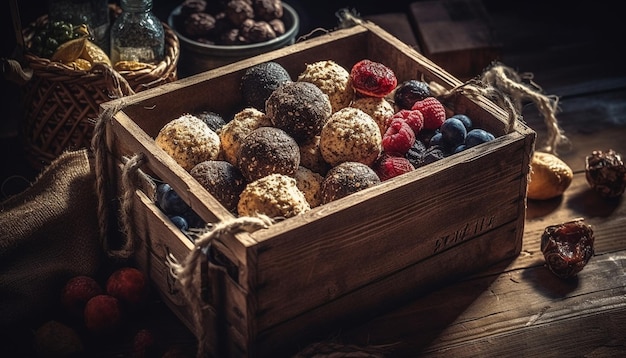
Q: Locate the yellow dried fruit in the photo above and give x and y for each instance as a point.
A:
(69, 51)
(132, 66)
(549, 176)
(94, 54)
(80, 64)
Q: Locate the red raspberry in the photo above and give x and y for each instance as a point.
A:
(399, 137)
(415, 119)
(434, 112)
(103, 314)
(372, 79)
(76, 292)
(129, 285)
(389, 166)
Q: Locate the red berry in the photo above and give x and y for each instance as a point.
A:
(372, 79)
(143, 344)
(434, 112)
(389, 166)
(129, 285)
(399, 137)
(76, 292)
(103, 314)
(414, 118)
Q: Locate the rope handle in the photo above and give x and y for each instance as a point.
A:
(504, 86)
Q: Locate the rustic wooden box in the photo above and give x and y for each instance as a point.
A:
(277, 289)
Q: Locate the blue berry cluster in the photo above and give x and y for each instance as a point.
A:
(456, 134)
(172, 205)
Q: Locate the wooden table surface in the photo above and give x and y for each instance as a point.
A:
(519, 308)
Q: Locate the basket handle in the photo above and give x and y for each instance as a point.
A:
(116, 84)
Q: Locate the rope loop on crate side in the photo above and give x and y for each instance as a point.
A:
(185, 272)
(98, 146)
(505, 87)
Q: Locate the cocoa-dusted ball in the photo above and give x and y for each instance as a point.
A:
(268, 9)
(299, 108)
(268, 150)
(223, 180)
(345, 179)
(260, 80)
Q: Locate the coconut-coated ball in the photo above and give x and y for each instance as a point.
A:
(189, 141)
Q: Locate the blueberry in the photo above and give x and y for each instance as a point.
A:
(180, 222)
(467, 121)
(410, 92)
(459, 148)
(477, 136)
(453, 132)
(436, 139)
(169, 201)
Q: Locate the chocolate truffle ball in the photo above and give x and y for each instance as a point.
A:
(259, 81)
(268, 150)
(223, 180)
(345, 179)
(298, 108)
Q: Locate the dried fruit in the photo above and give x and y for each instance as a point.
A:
(76, 292)
(372, 79)
(606, 173)
(410, 92)
(549, 176)
(69, 51)
(433, 111)
(567, 247)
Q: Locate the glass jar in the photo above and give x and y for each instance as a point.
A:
(137, 34)
(93, 13)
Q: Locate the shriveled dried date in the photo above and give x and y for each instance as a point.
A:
(606, 173)
(567, 247)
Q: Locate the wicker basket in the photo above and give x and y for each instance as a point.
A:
(61, 103)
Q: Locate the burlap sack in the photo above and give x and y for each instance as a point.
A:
(48, 233)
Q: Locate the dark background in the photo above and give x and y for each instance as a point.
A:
(595, 28)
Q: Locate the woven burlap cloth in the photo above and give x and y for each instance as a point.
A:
(48, 233)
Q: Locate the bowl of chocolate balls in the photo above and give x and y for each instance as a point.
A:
(216, 33)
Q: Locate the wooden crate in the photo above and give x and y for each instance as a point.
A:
(279, 288)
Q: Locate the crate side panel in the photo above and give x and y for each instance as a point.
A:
(381, 295)
(388, 231)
